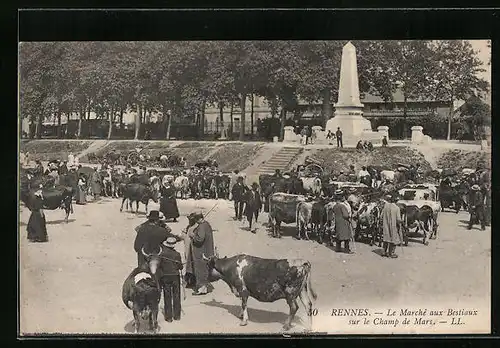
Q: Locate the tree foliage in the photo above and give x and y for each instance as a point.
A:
(179, 79)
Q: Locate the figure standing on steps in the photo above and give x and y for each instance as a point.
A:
(338, 134)
(253, 206)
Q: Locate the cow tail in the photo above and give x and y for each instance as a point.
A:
(309, 287)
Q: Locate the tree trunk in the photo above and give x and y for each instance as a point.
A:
(221, 113)
(111, 117)
(242, 117)
(59, 133)
(405, 110)
(82, 115)
(39, 125)
(327, 106)
(231, 119)
(251, 115)
(121, 117)
(138, 121)
(450, 117)
(282, 123)
(202, 119)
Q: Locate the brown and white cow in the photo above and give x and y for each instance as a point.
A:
(266, 280)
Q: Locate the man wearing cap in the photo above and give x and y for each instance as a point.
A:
(342, 222)
(391, 223)
(238, 191)
(199, 241)
(170, 281)
(150, 235)
(253, 205)
(476, 207)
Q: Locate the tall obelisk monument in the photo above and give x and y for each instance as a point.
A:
(349, 110)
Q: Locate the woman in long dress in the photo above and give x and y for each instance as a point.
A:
(37, 228)
(168, 202)
(81, 197)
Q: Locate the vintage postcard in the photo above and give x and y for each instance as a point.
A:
(255, 187)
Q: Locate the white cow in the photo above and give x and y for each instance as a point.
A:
(312, 185)
(387, 175)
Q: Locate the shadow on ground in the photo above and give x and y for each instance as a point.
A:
(144, 326)
(60, 221)
(254, 315)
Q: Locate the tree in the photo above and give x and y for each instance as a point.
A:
(397, 65)
(475, 115)
(455, 68)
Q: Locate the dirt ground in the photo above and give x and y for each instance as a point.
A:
(72, 284)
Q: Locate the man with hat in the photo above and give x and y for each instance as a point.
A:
(238, 191)
(485, 185)
(476, 207)
(150, 235)
(391, 223)
(199, 241)
(253, 205)
(342, 222)
(170, 281)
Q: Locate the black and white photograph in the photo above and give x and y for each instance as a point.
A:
(254, 187)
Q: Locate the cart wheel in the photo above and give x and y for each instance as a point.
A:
(133, 158)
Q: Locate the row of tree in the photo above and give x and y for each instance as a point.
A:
(180, 79)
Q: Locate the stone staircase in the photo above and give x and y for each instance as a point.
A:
(280, 160)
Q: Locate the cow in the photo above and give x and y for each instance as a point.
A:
(270, 184)
(134, 192)
(296, 186)
(449, 196)
(141, 291)
(368, 222)
(303, 218)
(282, 208)
(266, 280)
(222, 184)
(53, 198)
(312, 185)
(181, 185)
(419, 219)
(318, 219)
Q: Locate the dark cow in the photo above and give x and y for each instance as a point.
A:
(141, 291)
(270, 184)
(450, 196)
(134, 192)
(266, 280)
(222, 182)
(53, 198)
(318, 219)
(282, 208)
(420, 219)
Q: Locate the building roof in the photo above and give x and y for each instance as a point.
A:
(397, 98)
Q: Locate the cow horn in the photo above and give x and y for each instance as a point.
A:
(143, 252)
(160, 250)
(216, 252)
(204, 257)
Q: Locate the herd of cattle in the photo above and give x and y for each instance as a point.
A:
(306, 201)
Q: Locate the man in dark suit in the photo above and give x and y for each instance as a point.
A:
(253, 205)
(338, 134)
(476, 207)
(150, 235)
(238, 191)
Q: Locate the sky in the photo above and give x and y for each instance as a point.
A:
(484, 55)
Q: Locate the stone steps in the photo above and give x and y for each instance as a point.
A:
(280, 160)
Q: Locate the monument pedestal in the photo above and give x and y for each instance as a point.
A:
(350, 125)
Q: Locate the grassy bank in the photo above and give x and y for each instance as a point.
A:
(459, 159)
(334, 159)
